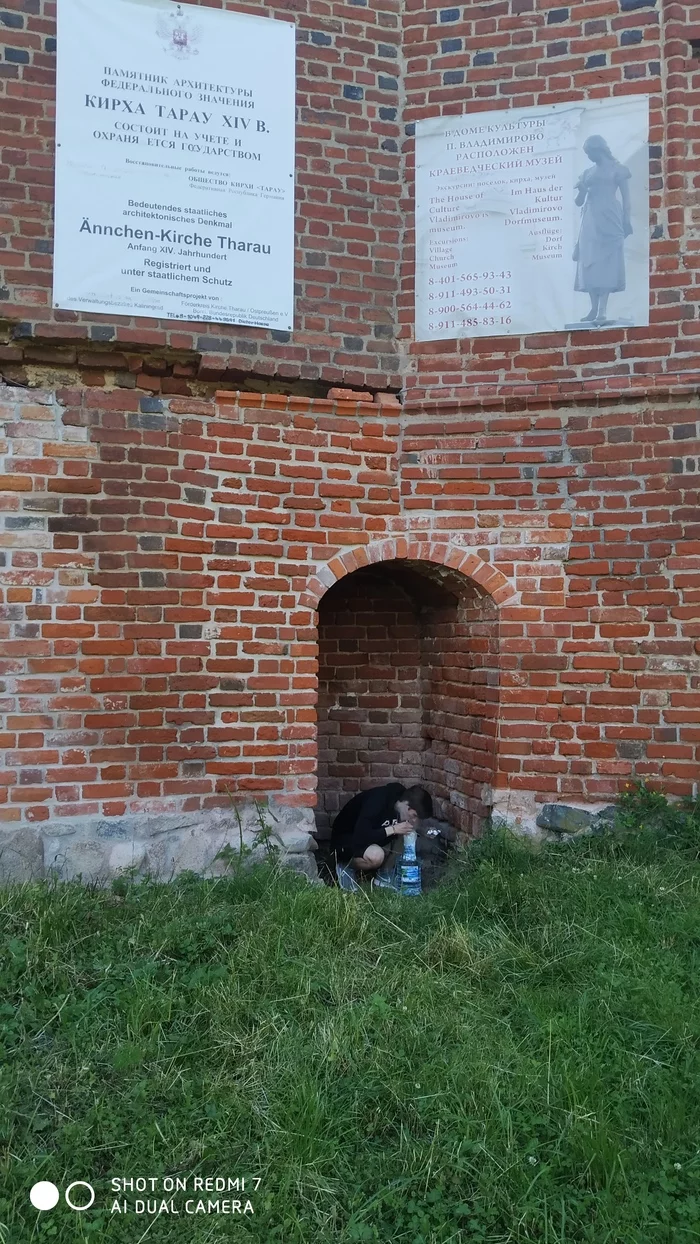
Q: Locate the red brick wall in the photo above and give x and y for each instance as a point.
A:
(369, 695)
(408, 689)
(461, 694)
(365, 75)
(163, 565)
(348, 226)
(155, 646)
(592, 512)
(517, 53)
(163, 557)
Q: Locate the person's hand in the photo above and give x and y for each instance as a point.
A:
(402, 827)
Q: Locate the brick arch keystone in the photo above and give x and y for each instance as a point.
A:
(440, 552)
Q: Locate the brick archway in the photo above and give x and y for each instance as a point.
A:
(401, 547)
(409, 675)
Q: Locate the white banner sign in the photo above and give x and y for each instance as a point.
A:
(175, 163)
(533, 219)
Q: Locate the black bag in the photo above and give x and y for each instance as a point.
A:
(433, 842)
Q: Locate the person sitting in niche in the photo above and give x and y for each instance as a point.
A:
(362, 832)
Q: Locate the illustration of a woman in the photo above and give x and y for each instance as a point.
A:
(605, 223)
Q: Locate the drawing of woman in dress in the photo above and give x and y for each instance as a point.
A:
(605, 223)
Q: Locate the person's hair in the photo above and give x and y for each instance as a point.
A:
(420, 800)
(597, 140)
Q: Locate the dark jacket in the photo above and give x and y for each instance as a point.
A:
(359, 823)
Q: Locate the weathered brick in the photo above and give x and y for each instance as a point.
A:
(531, 619)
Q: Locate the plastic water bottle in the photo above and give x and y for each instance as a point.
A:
(409, 867)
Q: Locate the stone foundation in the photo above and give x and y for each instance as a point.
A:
(549, 822)
(162, 846)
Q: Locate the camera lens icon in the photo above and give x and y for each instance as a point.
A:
(44, 1195)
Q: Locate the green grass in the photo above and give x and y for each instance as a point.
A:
(513, 1057)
